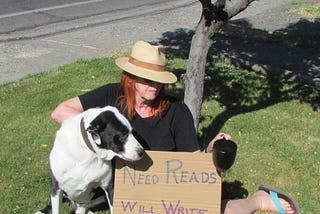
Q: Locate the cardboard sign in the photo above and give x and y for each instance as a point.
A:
(167, 183)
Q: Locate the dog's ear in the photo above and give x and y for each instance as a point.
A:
(94, 133)
(99, 123)
(92, 129)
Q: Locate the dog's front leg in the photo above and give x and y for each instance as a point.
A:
(109, 195)
(82, 210)
(56, 200)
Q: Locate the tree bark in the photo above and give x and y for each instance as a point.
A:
(214, 17)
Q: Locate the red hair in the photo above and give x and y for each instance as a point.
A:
(128, 100)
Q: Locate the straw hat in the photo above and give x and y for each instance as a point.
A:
(147, 61)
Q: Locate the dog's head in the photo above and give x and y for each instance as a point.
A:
(112, 133)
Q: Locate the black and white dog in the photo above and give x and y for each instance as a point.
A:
(81, 158)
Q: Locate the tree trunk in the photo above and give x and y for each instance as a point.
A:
(212, 20)
(194, 78)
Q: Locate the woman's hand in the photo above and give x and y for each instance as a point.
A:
(218, 137)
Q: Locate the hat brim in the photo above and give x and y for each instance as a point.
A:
(157, 76)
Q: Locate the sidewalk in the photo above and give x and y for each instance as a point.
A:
(246, 40)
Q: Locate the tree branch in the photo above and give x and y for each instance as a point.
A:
(236, 6)
(222, 10)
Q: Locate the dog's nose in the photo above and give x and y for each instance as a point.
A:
(141, 152)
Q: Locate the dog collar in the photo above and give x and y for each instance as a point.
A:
(85, 136)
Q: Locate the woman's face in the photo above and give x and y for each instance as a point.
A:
(147, 90)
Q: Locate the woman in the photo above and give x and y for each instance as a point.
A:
(162, 123)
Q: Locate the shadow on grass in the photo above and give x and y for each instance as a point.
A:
(286, 66)
(233, 190)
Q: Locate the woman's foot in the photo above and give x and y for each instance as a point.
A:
(265, 203)
(260, 201)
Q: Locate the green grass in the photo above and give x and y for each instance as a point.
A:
(274, 122)
(305, 9)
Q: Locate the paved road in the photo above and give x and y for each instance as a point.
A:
(17, 15)
(43, 48)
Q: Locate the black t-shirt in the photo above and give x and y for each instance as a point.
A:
(172, 131)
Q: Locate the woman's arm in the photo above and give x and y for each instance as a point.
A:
(66, 109)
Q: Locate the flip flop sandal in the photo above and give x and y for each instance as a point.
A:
(276, 194)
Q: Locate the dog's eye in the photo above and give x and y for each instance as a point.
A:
(120, 138)
(117, 139)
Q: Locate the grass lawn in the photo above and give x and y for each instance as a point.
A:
(274, 123)
(304, 9)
